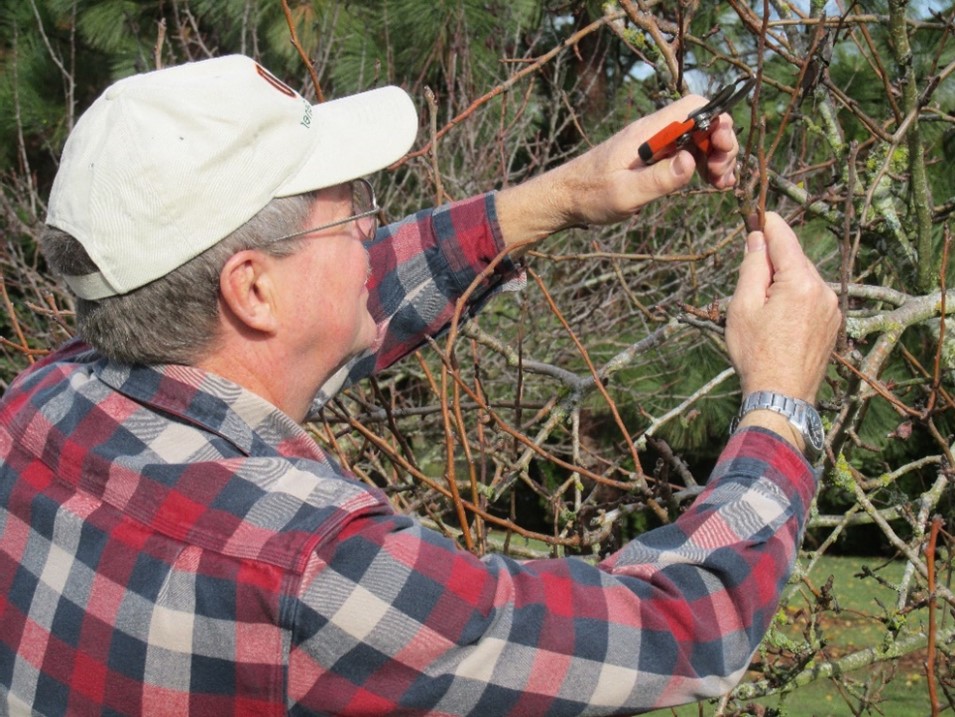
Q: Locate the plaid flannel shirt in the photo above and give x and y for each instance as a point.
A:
(170, 543)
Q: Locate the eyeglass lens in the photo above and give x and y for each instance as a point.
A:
(363, 202)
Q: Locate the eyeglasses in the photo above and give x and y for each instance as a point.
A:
(364, 208)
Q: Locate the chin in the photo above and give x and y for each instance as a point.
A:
(373, 336)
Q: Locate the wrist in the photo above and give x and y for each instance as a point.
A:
(535, 209)
(772, 421)
(794, 386)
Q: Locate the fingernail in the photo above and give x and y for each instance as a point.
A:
(680, 165)
(755, 241)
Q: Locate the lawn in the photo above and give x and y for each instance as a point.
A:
(852, 622)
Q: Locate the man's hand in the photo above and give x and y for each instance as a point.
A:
(609, 183)
(783, 319)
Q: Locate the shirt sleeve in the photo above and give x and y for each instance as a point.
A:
(393, 617)
(421, 267)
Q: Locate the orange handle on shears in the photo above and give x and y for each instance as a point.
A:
(696, 128)
(672, 137)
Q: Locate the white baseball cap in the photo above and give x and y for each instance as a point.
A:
(165, 164)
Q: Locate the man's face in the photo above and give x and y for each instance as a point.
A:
(324, 294)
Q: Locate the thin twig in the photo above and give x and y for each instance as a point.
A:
(293, 33)
(931, 648)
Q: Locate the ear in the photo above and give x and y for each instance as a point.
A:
(247, 289)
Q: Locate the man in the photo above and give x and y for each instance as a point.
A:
(172, 542)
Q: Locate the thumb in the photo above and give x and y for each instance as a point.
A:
(755, 272)
(664, 177)
(784, 249)
(682, 166)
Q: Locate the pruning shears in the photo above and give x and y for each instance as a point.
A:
(697, 127)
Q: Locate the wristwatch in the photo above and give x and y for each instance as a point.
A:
(800, 414)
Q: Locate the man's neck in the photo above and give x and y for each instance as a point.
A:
(263, 368)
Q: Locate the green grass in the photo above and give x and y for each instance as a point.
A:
(897, 688)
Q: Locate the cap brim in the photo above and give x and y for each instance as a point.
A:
(355, 136)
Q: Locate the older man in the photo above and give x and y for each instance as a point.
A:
(171, 540)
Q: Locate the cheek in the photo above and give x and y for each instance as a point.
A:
(355, 267)
(341, 270)
(346, 278)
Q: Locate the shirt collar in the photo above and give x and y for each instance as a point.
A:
(218, 405)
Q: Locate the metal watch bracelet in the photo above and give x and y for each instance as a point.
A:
(802, 415)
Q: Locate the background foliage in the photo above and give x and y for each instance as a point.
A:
(592, 404)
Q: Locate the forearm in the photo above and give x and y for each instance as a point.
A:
(673, 617)
(609, 183)
(721, 567)
(535, 209)
(421, 267)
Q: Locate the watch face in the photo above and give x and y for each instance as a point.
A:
(815, 433)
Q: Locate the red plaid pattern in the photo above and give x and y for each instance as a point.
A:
(172, 544)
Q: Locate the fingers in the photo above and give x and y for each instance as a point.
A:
(610, 183)
(675, 172)
(720, 161)
(785, 251)
(783, 319)
(718, 165)
(755, 273)
(724, 136)
(772, 255)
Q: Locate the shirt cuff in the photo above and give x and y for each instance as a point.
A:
(470, 238)
(777, 460)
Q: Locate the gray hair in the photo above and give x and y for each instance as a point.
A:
(173, 319)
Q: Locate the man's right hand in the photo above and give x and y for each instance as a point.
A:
(609, 182)
(783, 319)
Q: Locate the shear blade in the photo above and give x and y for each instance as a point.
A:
(725, 99)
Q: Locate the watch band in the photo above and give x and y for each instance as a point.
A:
(801, 414)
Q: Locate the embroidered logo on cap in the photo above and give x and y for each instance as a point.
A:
(286, 90)
(275, 81)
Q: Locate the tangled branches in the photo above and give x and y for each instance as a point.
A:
(591, 404)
